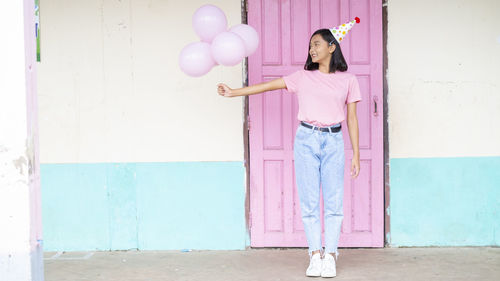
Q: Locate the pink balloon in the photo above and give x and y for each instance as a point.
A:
(208, 21)
(249, 35)
(195, 59)
(228, 49)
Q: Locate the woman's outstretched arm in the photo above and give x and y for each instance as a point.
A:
(275, 84)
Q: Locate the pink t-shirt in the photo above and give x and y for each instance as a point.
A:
(322, 97)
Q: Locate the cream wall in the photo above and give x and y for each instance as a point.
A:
(444, 78)
(110, 89)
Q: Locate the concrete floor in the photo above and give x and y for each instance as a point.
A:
(469, 263)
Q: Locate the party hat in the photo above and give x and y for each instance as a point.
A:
(340, 31)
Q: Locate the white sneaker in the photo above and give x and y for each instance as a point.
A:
(328, 269)
(315, 265)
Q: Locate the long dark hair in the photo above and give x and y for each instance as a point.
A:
(337, 62)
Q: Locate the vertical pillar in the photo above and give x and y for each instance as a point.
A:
(21, 254)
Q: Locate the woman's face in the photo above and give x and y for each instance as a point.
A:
(319, 50)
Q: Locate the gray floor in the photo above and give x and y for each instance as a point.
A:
(469, 263)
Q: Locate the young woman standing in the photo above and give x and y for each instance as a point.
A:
(323, 89)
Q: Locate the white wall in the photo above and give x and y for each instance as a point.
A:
(444, 78)
(110, 89)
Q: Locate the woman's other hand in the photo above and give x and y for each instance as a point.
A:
(355, 167)
(224, 90)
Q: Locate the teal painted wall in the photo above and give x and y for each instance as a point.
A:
(200, 205)
(146, 206)
(445, 201)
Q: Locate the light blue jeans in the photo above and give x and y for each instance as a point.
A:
(319, 161)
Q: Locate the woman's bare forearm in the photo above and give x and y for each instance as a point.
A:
(352, 124)
(259, 88)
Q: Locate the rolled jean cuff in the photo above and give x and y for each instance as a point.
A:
(336, 253)
(321, 252)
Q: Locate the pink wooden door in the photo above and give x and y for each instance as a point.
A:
(285, 27)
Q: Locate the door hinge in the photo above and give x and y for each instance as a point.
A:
(249, 123)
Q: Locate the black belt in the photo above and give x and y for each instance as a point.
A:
(328, 129)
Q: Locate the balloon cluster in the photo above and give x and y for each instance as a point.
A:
(218, 45)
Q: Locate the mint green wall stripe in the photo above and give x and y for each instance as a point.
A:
(159, 206)
(445, 201)
(74, 207)
(122, 205)
(191, 205)
(149, 206)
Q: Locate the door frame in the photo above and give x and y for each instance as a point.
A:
(385, 92)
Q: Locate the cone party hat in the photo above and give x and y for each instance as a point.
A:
(341, 31)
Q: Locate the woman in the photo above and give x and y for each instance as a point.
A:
(323, 88)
